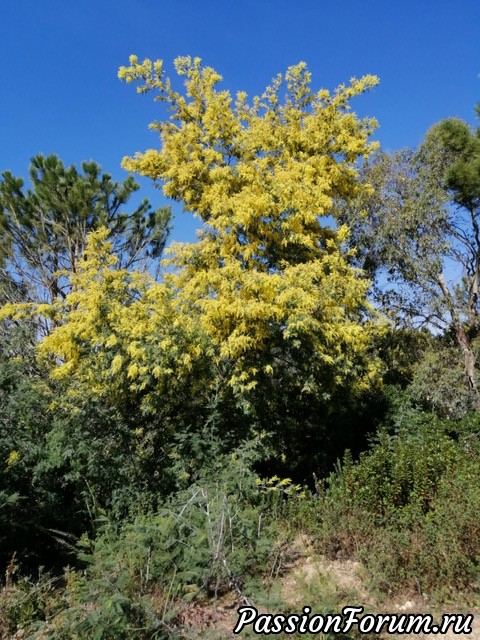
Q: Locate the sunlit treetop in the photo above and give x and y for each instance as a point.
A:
(258, 173)
(268, 291)
(267, 272)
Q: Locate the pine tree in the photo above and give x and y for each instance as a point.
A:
(43, 229)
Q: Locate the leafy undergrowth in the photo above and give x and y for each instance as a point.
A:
(408, 509)
(397, 530)
(302, 577)
(217, 535)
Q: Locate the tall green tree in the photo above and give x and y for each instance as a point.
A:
(43, 229)
(418, 233)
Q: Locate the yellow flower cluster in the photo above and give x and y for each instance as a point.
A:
(261, 177)
(268, 275)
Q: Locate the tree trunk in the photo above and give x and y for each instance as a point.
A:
(463, 338)
(469, 357)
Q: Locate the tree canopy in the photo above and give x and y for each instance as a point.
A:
(418, 233)
(262, 321)
(43, 229)
(269, 275)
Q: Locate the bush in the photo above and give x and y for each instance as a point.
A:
(25, 603)
(438, 383)
(409, 510)
(215, 535)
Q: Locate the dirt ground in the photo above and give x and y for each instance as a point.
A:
(311, 579)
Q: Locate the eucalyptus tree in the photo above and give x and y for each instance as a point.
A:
(418, 233)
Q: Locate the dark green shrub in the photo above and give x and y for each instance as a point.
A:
(216, 534)
(408, 509)
(24, 603)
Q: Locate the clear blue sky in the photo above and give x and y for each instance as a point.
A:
(60, 92)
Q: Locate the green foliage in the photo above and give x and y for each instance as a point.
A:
(437, 555)
(215, 535)
(43, 230)
(205, 539)
(400, 472)
(406, 508)
(23, 602)
(462, 172)
(61, 468)
(417, 234)
(400, 349)
(33, 502)
(438, 382)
